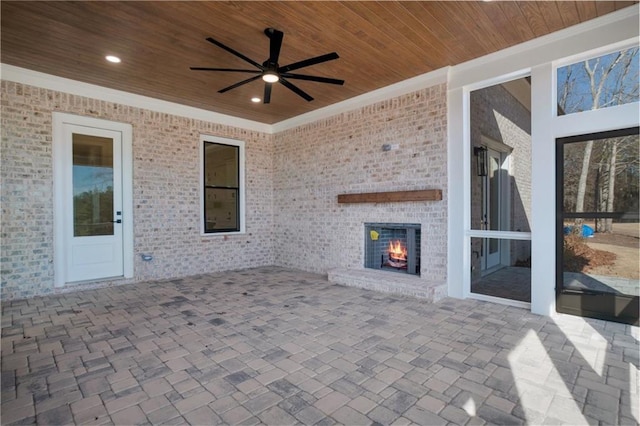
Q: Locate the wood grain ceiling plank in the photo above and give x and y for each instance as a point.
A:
(568, 13)
(623, 4)
(482, 28)
(191, 25)
(89, 46)
(533, 16)
(497, 22)
(463, 33)
(430, 28)
(604, 7)
(234, 27)
(390, 40)
(586, 10)
(406, 27)
(517, 20)
(551, 15)
(373, 65)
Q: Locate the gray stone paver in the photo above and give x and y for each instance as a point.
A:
(272, 345)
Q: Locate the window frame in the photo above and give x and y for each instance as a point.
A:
(587, 56)
(204, 139)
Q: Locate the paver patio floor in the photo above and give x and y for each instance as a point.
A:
(276, 346)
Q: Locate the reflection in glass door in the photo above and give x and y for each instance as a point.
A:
(598, 227)
(92, 185)
(492, 208)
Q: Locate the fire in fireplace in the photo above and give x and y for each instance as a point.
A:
(393, 247)
(397, 255)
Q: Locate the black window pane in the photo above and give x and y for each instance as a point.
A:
(221, 165)
(221, 210)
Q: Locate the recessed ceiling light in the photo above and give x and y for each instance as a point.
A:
(113, 59)
(255, 99)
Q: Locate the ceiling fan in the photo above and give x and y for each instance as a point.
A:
(271, 72)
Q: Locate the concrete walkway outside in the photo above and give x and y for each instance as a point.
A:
(277, 346)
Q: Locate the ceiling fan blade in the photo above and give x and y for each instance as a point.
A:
(224, 69)
(295, 89)
(275, 44)
(267, 93)
(313, 78)
(308, 62)
(236, 53)
(233, 86)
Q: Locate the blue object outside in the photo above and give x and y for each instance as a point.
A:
(587, 231)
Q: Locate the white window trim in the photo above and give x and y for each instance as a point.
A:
(242, 189)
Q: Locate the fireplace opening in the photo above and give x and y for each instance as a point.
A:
(393, 247)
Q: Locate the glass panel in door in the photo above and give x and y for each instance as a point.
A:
(92, 185)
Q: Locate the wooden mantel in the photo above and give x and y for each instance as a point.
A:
(392, 197)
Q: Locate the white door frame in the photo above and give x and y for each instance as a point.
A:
(59, 188)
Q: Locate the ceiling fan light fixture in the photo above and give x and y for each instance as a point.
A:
(113, 59)
(255, 99)
(270, 77)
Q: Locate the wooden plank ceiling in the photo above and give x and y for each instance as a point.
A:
(379, 43)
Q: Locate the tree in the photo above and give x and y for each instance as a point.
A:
(593, 84)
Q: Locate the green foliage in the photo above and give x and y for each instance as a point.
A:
(93, 213)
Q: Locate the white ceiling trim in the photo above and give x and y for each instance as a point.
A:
(60, 84)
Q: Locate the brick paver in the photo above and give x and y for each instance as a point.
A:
(272, 345)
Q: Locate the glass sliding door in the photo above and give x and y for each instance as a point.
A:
(597, 226)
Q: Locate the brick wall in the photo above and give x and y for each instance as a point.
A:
(343, 154)
(165, 193)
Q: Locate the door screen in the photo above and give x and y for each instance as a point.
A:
(597, 225)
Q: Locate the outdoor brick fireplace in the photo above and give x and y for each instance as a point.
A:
(393, 247)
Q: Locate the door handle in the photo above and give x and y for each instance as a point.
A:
(117, 221)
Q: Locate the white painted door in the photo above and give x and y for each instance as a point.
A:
(92, 203)
(492, 208)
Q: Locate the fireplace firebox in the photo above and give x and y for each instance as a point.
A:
(393, 247)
